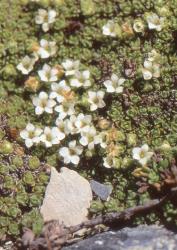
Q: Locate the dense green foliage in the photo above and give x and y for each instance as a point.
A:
(146, 112)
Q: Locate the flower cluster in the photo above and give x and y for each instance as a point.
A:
(74, 131)
(142, 154)
(154, 22)
(151, 67)
(45, 18)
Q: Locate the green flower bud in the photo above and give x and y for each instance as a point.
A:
(165, 146)
(9, 70)
(117, 163)
(29, 179)
(120, 136)
(22, 198)
(138, 26)
(13, 229)
(111, 205)
(126, 162)
(4, 221)
(9, 182)
(131, 139)
(13, 211)
(34, 200)
(34, 162)
(4, 169)
(163, 11)
(38, 225)
(96, 206)
(44, 3)
(6, 147)
(17, 161)
(87, 7)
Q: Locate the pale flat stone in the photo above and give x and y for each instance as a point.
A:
(67, 197)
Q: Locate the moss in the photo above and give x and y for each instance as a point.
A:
(23, 182)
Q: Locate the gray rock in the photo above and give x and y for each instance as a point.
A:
(67, 197)
(139, 238)
(101, 190)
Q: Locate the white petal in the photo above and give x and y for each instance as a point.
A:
(24, 134)
(145, 147)
(39, 110)
(75, 83)
(110, 89)
(30, 127)
(43, 53)
(100, 94)
(48, 110)
(64, 151)
(114, 78)
(121, 81)
(43, 95)
(83, 141)
(45, 27)
(75, 159)
(148, 64)
(136, 153)
(119, 89)
(35, 101)
(28, 143)
(146, 74)
(86, 74)
(93, 107)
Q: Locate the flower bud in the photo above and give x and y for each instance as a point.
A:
(127, 29)
(6, 147)
(32, 84)
(60, 70)
(104, 123)
(138, 26)
(165, 146)
(131, 139)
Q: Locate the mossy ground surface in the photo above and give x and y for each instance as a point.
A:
(146, 111)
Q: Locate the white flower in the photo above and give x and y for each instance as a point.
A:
(65, 109)
(155, 22)
(59, 91)
(71, 153)
(83, 122)
(103, 139)
(114, 84)
(48, 74)
(70, 67)
(150, 70)
(153, 56)
(81, 79)
(61, 125)
(45, 18)
(70, 125)
(43, 103)
(26, 65)
(142, 154)
(47, 49)
(96, 99)
(51, 136)
(31, 135)
(109, 29)
(90, 138)
(138, 26)
(108, 162)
